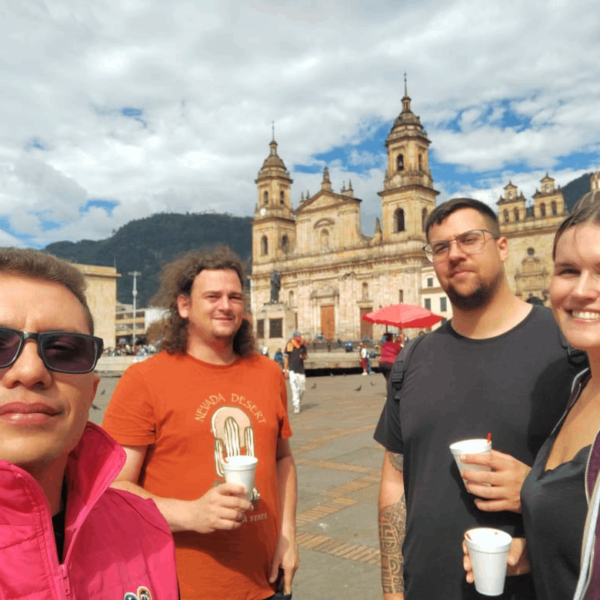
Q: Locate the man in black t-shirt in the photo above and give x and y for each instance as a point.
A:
(293, 365)
(499, 366)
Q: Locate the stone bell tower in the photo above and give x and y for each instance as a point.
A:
(408, 195)
(274, 224)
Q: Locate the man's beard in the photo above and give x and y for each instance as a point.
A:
(478, 298)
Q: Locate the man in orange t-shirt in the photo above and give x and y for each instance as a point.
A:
(181, 413)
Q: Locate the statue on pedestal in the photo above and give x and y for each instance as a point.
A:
(275, 287)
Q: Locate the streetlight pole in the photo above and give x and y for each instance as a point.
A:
(135, 275)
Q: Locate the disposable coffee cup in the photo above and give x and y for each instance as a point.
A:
(240, 469)
(477, 446)
(488, 549)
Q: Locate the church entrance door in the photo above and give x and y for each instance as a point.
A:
(328, 321)
(366, 328)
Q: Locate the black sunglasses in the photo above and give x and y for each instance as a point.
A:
(61, 351)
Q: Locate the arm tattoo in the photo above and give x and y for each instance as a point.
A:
(397, 461)
(392, 530)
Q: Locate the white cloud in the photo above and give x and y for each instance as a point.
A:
(209, 77)
(7, 240)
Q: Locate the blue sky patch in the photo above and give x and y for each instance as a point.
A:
(450, 176)
(137, 114)
(511, 119)
(129, 112)
(575, 160)
(25, 238)
(310, 169)
(107, 205)
(35, 144)
(48, 225)
(357, 158)
(496, 114)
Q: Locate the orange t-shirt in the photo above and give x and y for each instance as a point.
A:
(192, 415)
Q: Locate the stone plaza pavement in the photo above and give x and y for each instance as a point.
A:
(338, 464)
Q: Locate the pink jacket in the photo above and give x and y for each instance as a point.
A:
(117, 545)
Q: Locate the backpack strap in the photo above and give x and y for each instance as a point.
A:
(401, 366)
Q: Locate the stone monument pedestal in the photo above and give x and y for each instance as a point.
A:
(279, 322)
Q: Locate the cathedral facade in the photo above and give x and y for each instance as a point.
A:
(328, 274)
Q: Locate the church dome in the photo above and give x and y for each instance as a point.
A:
(407, 123)
(273, 160)
(407, 116)
(273, 166)
(594, 194)
(589, 198)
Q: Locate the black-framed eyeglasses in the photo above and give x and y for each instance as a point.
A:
(60, 351)
(470, 242)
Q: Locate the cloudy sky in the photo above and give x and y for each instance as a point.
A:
(113, 110)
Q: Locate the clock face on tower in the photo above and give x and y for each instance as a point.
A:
(263, 212)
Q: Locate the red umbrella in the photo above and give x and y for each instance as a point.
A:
(403, 315)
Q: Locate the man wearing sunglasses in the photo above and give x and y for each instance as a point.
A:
(180, 416)
(64, 533)
(498, 366)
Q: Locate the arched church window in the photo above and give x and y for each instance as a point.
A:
(554, 208)
(266, 198)
(543, 209)
(281, 197)
(516, 214)
(420, 162)
(291, 299)
(547, 188)
(264, 245)
(506, 216)
(399, 218)
(285, 244)
(423, 218)
(400, 162)
(365, 291)
(325, 239)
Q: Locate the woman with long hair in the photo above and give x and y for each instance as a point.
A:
(561, 545)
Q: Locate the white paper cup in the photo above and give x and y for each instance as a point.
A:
(488, 549)
(477, 446)
(240, 469)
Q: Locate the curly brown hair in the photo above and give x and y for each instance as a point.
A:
(36, 264)
(178, 277)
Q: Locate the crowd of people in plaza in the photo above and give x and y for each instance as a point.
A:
(125, 349)
(143, 508)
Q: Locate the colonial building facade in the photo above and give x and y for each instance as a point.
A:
(328, 274)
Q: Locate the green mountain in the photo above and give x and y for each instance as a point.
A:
(575, 189)
(145, 245)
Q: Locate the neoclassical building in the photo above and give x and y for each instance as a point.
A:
(329, 273)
